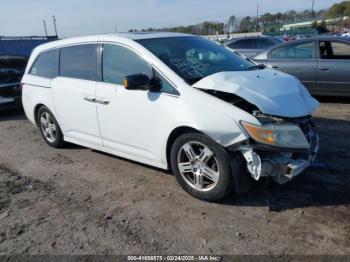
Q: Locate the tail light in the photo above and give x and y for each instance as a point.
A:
(21, 87)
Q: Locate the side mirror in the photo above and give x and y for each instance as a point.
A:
(142, 82)
(137, 82)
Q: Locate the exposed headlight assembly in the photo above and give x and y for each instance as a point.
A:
(280, 135)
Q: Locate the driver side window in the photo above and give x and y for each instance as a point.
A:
(294, 51)
(119, 62)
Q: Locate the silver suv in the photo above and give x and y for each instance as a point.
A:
(252, 46)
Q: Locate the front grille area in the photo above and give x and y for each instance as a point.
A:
(305, 125)
(12, 90)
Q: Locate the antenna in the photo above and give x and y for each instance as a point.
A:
(54, 24)
(312, 9)
(115, 29)
(257, 16)
(45, 27)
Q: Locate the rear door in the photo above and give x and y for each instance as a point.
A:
(74, 94)
(297, 59)
(333, 74)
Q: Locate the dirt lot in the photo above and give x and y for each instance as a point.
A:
(79, 201)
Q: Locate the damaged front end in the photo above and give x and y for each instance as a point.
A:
(264, 156)
(280, 162)
(284, 143)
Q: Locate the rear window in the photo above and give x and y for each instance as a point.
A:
(46, 65)
(266, 43)
(243, 44)
(79, 62)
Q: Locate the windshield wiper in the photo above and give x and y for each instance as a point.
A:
(257, 67)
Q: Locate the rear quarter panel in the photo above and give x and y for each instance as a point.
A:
(36, 91)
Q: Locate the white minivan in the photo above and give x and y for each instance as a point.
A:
(173, 101)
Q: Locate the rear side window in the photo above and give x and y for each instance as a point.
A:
(341, 49)
(119, 62)
(79, 62)
(334, 50)
(296, 51)
(243, 44)
(46, 65)
(266, 43)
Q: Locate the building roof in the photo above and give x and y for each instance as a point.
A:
(309, 23)
(19, 46)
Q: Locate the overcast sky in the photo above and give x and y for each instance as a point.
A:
(80, 17)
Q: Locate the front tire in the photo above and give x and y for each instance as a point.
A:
(49, 128)
(202, 167)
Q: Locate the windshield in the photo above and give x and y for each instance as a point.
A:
(194, 58)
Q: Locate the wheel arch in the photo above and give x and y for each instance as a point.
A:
(242, 181)
(36, 110)
(178, 131)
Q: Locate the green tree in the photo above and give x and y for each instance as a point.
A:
(339, 10)
(246, 24)
(232, 23)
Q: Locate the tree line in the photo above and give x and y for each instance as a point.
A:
(265, 22)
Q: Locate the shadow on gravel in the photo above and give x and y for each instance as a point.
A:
(15, 114)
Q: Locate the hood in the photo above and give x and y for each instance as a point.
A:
(274, 93)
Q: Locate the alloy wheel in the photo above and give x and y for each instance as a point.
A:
(198, 166)
(48, 127)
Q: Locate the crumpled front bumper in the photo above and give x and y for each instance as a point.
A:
(281, 165)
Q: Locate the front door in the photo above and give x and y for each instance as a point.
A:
(333, 74)
(131, 121)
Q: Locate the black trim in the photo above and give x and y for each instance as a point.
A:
(59, 61)
(99, 62)
(263, 147)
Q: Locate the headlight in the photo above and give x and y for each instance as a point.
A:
(282, 135)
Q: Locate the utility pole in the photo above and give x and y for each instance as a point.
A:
(54, 24)
(312, 9)
(45, 27)
(257, 16)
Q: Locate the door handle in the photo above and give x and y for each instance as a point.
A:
(324, 68)
(102, 101)
(90, 99)
(275, 66)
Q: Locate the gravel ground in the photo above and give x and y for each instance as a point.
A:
(80, 201)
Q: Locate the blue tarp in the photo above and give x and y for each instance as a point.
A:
(19, 47)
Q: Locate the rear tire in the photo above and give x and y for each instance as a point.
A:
(202, 167)
(49, 128)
